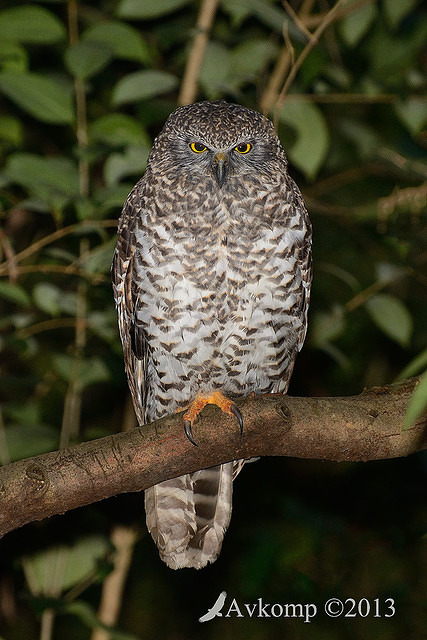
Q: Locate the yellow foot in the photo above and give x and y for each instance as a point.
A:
(197, 405)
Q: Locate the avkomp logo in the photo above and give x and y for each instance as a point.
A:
(258, 609)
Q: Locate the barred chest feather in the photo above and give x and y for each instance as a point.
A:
(219, 299)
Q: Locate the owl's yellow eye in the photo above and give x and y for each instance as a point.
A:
(243, 147)
(198, 147)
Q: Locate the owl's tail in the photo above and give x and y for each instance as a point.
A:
(188, 516)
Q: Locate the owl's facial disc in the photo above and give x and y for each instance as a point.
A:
(220, 167)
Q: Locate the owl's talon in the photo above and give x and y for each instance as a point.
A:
(189, 432)
(236, 411)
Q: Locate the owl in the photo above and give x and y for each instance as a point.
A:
(211, 278)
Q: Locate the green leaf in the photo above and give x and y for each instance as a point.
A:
(26, 414)
(312, 136)
(99, 260)
(31, 24)
(342, 274)
(396, 10)
(62, 364)
(269, 14)
(215, 69)
(85, 209)
(89, 371)
(54, 180)
(125, 41)
(337, 75)
(104, 324)
(14, 293)
(46, 296)
(92, 371)
(53, 300)
(43, 98)
(87, 615)
(13, 57)
(11, 130)
(239, 10)
(355, 24)
(389, 56)
(117, 129)
(413, 114)
(112, 197)
(26, 440)
(418, 403)
(327, 327)
(414, 367)
(85, 59)
(249, 58)
(391, 316)
(142, 85)
(365, 137)
(131, 162)
(386, 272)
(147, 9)
(83, 557)
(77, 562)
(67, 302)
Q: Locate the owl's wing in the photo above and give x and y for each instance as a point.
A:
(124, 287)
(304, 261)
(170, 505)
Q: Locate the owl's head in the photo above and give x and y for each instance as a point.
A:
(220, 141)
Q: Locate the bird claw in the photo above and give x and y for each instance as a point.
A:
(197, 405)
(236, 412)
(189, 432)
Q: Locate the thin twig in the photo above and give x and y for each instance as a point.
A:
(312, 21)
(70, 269)
(343, 178)
(413, 198)
(9, 254)
(80, 93)
(296, 18)
(275, 81)
(331, 43)
(73, 399)
(123, 539)
(306, 8)
(46, 325)
(361, 297)
(204, 23)
(52, 237)
(4, 448)
(286, 57)
(329, 18)
(337, 98)
(46, 624)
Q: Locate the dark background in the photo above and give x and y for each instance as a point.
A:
(84, 88)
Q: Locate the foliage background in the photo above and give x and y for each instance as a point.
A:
(84, 88)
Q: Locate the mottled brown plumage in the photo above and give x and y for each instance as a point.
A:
(211, 279)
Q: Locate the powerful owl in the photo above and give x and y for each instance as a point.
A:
(211, 279)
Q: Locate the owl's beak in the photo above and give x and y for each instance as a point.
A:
(220, 167)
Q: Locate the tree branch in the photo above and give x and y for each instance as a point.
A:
(205, 20)
(355, 428)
